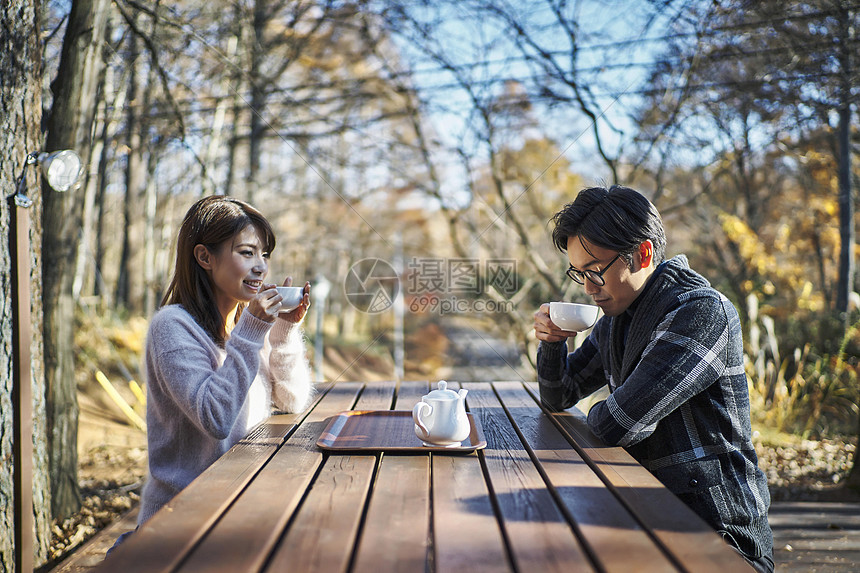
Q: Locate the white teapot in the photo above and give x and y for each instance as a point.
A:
(440, 417)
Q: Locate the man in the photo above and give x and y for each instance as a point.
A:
(670, 349)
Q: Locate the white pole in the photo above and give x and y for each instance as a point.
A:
(398, 310)
(320, 289)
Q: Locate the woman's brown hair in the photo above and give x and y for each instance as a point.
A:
(209, 222)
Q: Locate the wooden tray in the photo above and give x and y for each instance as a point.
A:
(387, 431)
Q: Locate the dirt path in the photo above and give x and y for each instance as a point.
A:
(814, 537)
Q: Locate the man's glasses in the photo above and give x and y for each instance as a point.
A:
(593, 276)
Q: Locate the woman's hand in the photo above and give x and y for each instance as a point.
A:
(298, 314)
(545, 328)
(266, 303)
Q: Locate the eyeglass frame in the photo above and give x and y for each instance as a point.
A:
(577, 275)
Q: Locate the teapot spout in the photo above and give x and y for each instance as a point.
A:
(462, 393)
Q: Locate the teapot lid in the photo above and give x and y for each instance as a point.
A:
(442, 392)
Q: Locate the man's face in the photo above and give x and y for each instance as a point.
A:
(622, 285)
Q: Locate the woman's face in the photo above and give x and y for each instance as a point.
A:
(237, 268)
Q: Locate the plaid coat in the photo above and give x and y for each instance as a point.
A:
(679, 400)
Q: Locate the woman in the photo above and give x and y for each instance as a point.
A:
(218, 352)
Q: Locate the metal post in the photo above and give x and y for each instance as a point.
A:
(22, 393)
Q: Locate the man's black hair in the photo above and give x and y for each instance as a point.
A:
(618, 218)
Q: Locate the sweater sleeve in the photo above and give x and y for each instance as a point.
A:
(288, 370)
(564, 378)
(686, 354)
(210, 394)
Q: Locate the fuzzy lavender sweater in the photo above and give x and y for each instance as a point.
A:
(202, 399)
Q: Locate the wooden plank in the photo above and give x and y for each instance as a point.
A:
(167, 537)
(163, 541)
(273, 430)
(377, 396)
(281, 424)
(395, 536)
(539, 536)
(278, 426)
(246, 533)
(409, 394)
(322, 535)
(685, 536)
(466, 533)
(616, 540)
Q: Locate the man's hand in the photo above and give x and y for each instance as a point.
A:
(546, 330)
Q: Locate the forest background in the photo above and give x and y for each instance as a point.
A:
(424, 145)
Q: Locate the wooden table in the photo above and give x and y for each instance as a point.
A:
(544, 495)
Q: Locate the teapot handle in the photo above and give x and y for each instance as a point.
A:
(419, 411)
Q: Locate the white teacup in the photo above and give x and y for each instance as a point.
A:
(292, 297)
(573, 316)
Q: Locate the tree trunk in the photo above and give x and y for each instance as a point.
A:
(74, 91)
(129, 281)
(225, 102)
(100, 289)
(238, 84)
(20, 114)
(258, 100)
(87, 273)
(233, 148)
(91, 186)
(150, 245)
(846, 215)
(846, 198)
(149, 200)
